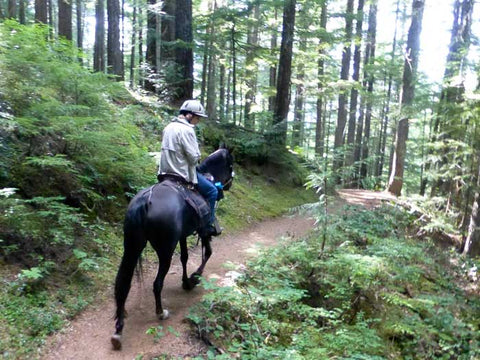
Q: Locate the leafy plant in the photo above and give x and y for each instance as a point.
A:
(372, 293)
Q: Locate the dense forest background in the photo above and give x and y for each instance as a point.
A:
(362, 85)
(379, 95)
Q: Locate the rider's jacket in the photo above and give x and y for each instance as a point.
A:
(180, 152)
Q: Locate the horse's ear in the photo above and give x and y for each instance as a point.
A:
(224, 146)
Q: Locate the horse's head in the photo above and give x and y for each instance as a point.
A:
(220, 165)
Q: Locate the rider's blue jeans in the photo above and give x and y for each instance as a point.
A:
(209, 192)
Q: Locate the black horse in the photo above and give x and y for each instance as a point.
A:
(161, 215)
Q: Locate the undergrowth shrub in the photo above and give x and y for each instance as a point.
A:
(371, 293)
(66, 135)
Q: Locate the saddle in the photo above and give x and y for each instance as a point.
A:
(190, 194)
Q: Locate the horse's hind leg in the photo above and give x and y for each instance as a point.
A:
(187, 284)
(133, 247)
(164, 262)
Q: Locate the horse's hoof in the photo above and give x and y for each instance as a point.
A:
(186, 285)
(116, 341)
(164, 315)
(195, 279)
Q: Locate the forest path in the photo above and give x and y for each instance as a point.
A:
(88, 336)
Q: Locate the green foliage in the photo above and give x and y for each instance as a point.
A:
(63, 128)
(372, 293)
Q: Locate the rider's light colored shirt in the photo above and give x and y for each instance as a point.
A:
(180, 152)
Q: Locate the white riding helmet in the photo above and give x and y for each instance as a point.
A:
(195, 107)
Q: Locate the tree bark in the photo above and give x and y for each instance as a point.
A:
(369, 80)
(251, 68)
(408, 92)
(184, 50)
(65, 19)
(114, 53)
(273, 68)
(320, 121)
(352, 114)
(41, 12)
(342, 97)
(282, 98)
(299, 112)
(12, 9)
(79, 18)
(21, 12)
(133, 44)
(472, 242)
(151, 54)
(99, 47)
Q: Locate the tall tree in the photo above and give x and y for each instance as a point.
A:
(99, 46)
(79, 18)
(152, 44)
(386, 107)
(298, 111)
(133, 44)
(472, 242)
(114, 53)
(369, 82)
(21, 12)
(395, 183)
(282, 98)
(320, 122)
(250, 64)
(183, 50)
(453, 89)
(65, 19)
(342, 97)
(273, 67)
(352, 113)
(12, 9)
(41, 11)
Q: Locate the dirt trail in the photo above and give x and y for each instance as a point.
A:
(88, 336)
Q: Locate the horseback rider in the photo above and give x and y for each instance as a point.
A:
(180, 154)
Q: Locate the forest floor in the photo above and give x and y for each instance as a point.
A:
(88, 335)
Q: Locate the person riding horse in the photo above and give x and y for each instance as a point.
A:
(180, 154)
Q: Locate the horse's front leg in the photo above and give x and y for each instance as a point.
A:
(206, 253)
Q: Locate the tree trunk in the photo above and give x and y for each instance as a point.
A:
(21, 12)
(320, 122)
(342, 97)
(65, 19)
(234, 77)
(79, 18)
(472, 242)
(352, 114)
(409, 72)
(386, 109)
(12, 9)
(273, 68)
(114, 53)
(282, 98)
(141, 77)
(41, 11)
(251, 69)
(298, 113)
(184, 50)
(151, 55)
(99, 47)
(369, 79)
(133, 44)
